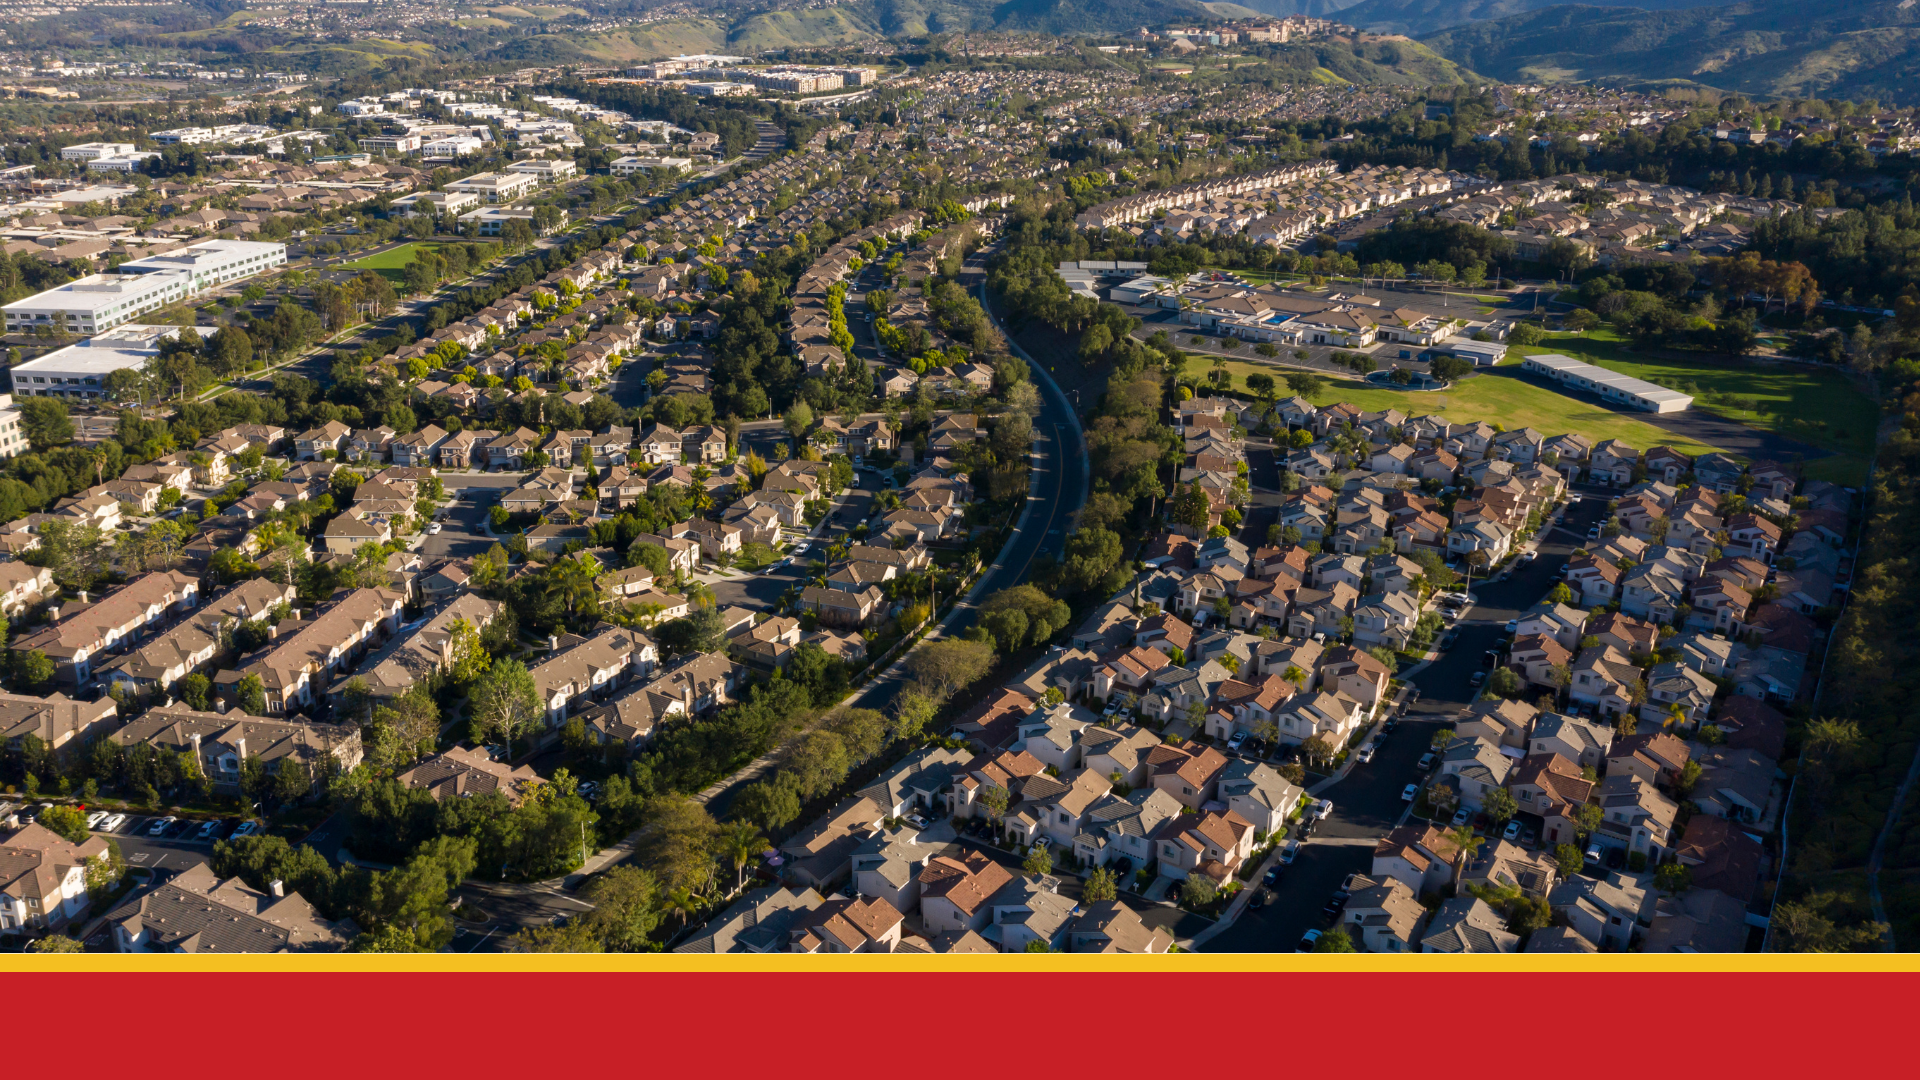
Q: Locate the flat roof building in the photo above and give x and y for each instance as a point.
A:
(80, 371)
(100, 301)
(1610, 385)
(497, 187)
(633, 163)
(88, 151)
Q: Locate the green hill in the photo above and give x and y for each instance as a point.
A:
(1839, 48)
(861, 20)
(1427, 16)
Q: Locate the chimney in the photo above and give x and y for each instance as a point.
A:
(277, 887)
(553, 642)
(53, 613)
(83, 596)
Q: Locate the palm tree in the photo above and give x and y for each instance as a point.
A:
(1464, 838)
(683, 901)
(741, 843)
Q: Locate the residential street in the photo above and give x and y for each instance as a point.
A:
(1367, 803)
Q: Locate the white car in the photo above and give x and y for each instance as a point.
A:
(94, 819)
(113, 822)
(207, 829)
(1364, 754)
(245, 828)
(1461, 817)
(1409, 793)
(1512, 831)
(161, 826)
(1321, 809)
(433, 529)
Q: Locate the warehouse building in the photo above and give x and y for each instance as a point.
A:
(1610, 385)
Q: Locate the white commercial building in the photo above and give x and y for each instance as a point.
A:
(391, 144)
(497, 187)
(436, 202)
(492, 220)
(89, 151)
(543, 169)
(201, 136)
(451, 146)
(13, 437)
(122, 162)
(1611, 385)
(630, 164)
(99, 301)
(80, 371)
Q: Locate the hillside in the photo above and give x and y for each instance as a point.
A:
(1841, 48)
(859, 20)
(1426, 16)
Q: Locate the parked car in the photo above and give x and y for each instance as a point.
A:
(112, 822)
(1461, 817)
(1512, 625)
(1272, 876)
(917, 821)
(1593, 853)
(245, 828)
(1289, 853)
(94, 819)
(207, 829)
(433, 529)
(161, 826)
(1530, 837)
(1321, 809)
(1511, 832)
(1478, 678)
(1307, 941)
(1331, 912)
(1409, 793)
(1239, 739)
(1426, 762)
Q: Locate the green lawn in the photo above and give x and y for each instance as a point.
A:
(1820, 406)
(390, 264)
(1507, 402)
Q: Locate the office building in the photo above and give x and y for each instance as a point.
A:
(93, 150)
(100, 301)
(79, 372)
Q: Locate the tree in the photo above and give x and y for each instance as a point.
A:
(69, 822)
(45, 422)
(770, 803)
(1100, 885)
(945, 666)
(1673, 878)
(798, 419)
(1335, 940)
(1466, 843)
(32, 670)
(195, 689)
(468, 658)
(57, 943)
(251, 696)
(505, 703)
(1499, 805)
(1569, 858)
(1806, 926)
(818, 763)
(626, 908)
(676, 843)
(1587, 818)
(742, 843)
(1039, 860)
(1505, 682)
(1197, 891)
(413, 896)
(995, 798)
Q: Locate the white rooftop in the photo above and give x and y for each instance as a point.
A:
(111, 350)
